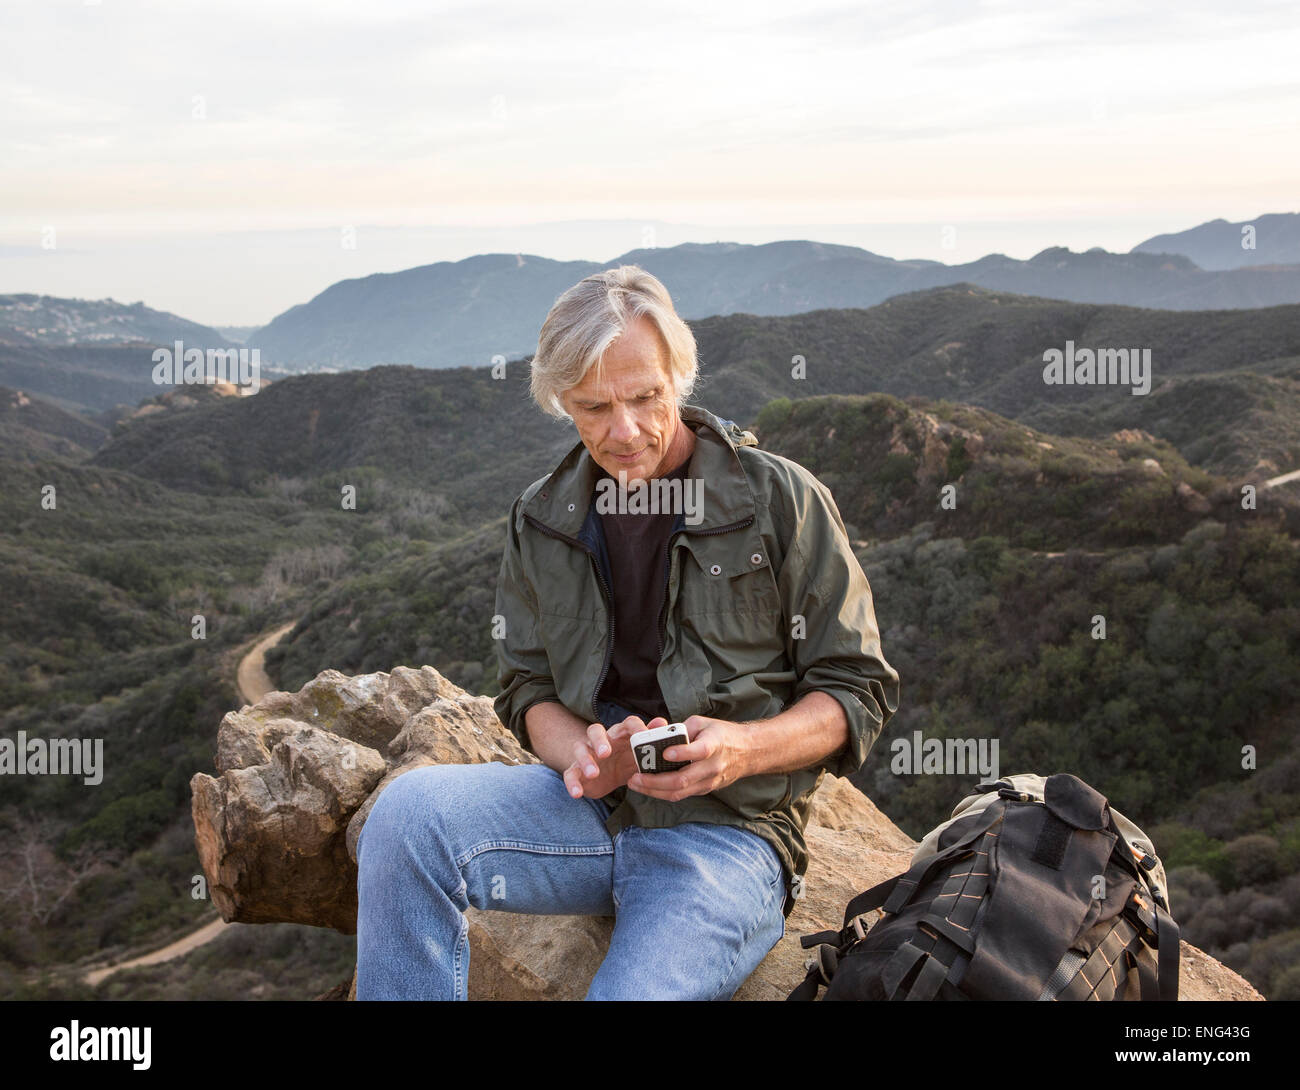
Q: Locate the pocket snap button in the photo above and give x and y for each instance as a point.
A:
(757, 558)
(571, 506)
(716, 569)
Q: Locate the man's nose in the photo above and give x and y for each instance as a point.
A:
(623, 426)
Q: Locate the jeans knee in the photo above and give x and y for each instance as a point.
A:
(406, 804)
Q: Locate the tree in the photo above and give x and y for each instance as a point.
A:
(32, 876)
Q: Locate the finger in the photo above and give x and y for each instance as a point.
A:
(664, 785)
(599, 740)
(633, 724)
(658, 784)
(650, 786)
(583, 759)
(697, 750)
(573, 781)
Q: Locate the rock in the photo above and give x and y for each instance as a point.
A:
(1191, 500)
(1133, 435)
(269, 836)
(298, 772)
(930, 440)
(276, 830)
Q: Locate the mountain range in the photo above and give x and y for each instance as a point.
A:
(468, 312)
(1273, 239)
(95, 354)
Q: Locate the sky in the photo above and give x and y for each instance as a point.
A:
(228, 160)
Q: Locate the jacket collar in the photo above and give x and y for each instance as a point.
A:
(563, 500)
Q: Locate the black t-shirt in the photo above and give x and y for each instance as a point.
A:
(638, 559)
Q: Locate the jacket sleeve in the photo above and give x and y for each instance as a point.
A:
(822, 582)
(524, 668)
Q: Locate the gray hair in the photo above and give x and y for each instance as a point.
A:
(588, 317)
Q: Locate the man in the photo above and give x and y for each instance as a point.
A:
(746, 617)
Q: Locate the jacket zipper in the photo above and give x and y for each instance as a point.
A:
(609, 603)
(609, 596)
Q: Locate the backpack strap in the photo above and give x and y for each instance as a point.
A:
(893, 895)
(821, 967)
(1165, 936)
(1169, 946)
(1162, 929)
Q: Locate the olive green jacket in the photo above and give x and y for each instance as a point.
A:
(765, 603)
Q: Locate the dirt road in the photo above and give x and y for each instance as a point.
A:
(251, 680)
(252, 683)
(194, 939)
(1285, 478)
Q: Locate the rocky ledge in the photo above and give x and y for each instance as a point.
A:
(276, 832)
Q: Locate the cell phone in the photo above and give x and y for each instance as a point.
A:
(649, 745)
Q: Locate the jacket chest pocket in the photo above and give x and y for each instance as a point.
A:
(728, 594)
(566, 583)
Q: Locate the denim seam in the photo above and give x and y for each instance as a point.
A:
(773, 889)
(613, 877)
(460, 982)
(527, 846)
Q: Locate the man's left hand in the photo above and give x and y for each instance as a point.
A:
(719, 754)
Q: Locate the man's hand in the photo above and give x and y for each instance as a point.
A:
(603, 760)
(719, 754)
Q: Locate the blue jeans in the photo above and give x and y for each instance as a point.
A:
(696, 906)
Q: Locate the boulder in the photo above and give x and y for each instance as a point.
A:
(298, 772)
(276, 832)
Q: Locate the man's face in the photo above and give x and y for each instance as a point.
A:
(633, 410)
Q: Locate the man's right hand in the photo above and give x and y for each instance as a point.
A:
(603, 760)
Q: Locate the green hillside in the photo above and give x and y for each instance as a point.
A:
(1224, 390)
(230, 508)
(31, 427)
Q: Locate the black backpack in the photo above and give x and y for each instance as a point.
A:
(1035, 889)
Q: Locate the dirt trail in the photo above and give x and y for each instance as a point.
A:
(194, 939)
(251, 683)
(1285, 478)
(251, 680)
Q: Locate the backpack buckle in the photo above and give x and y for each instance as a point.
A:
(823, 964)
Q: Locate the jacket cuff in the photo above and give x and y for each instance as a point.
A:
(864, 729)
(520, 701)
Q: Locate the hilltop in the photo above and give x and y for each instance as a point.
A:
(1271, 240)
(54, 321)
(31, 427)
(1224, 388)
